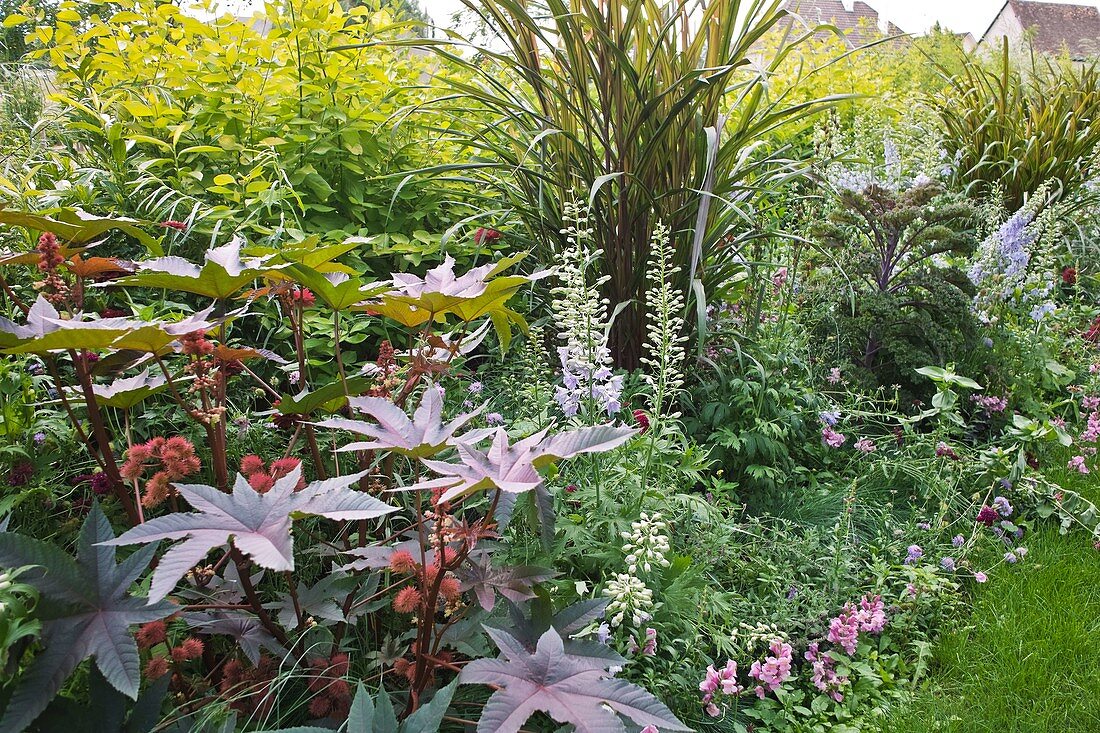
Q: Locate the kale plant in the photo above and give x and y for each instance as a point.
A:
(907, 301)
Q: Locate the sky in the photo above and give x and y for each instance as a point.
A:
(912, 16)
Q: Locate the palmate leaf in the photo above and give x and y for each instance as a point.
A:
(222, 275)
(322, 601)
(513, 467)
(129, 391)
(330, 398)
(414, 301)
(337, 290)
(424, 435)
(244, 629)
(87, 611)
(514, 582)
(45, 331)
(258, 524)
(568, 688)
(77, 227)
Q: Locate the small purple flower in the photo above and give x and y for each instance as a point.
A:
(958, 540)
(1002, 506)
(834, 376)
(980, 577)
(294, 377)
(913, 553)
(948, 563)
(39, 438)
(792, 593)
(1010, 557)
(603, 633)
(924, 525)
(830, 417)
(494, 418)
(475, 387)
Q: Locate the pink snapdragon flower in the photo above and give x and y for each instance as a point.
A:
(844, 629)
(775, 670)
(719, 682)
(871, 614)
(779, 279)
(824, 675)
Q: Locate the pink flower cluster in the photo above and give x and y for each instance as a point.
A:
(824, 675)
(1091, 433)
(775, 670)
(832, 438)
(990, 404)
(866, 445)
(1077, 463)
(869, 617)
(844, 630)
(719, 682)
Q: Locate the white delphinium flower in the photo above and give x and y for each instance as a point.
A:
(629, 597)
(664, 352)
(587, 376)
(646, 543)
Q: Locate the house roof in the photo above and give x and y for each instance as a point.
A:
(1058, 26)
(861, 24)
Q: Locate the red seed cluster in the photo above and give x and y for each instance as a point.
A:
(176, 457)
(262, 478)
(332, 694)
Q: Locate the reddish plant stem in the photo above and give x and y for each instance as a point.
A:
(243, 566)
(103, 440)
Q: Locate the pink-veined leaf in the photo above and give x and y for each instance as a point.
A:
(569, 688)
(222, 275)
(258, 524)
(45, 331)
(424, 435)
(513, 467)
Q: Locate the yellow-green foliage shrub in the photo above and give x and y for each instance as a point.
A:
(274, 122)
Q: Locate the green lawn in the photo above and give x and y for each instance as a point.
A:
(1028, 659)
